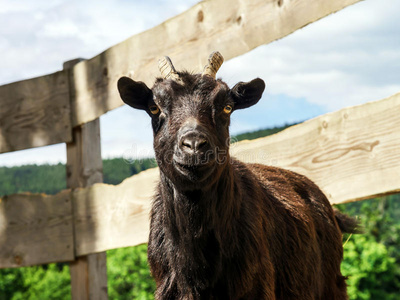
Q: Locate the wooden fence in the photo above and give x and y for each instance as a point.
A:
(352, 154)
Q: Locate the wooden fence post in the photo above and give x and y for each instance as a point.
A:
(84, 168)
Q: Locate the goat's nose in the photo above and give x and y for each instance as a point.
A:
(193, 143)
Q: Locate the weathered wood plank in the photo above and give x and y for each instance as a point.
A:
(35, 229)
(84, 163)
(352, 154)
(88, 277)
(231, 27)
(109, 217)
(84, 168)
(35, 112)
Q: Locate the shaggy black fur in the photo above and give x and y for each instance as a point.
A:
(223, 229)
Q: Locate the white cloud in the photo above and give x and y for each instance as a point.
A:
(126, 131)
(59, 30)
(26, 5)
(348, 58)
(50, 154)
(36, 37)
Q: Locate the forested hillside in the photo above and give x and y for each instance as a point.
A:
(51, 179)
(371, 260)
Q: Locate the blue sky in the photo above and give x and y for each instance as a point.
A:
(348, 58)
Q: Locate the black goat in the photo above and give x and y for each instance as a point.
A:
(220, 228)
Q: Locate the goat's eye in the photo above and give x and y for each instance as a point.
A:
(228, 109)
(154, 109)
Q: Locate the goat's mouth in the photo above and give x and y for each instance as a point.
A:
(194, 172)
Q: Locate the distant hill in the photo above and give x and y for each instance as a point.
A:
(51, 179)
(259, 133)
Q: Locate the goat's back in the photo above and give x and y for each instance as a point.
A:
(304, 239)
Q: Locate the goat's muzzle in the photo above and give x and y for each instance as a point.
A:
(193, 143)
(194, 157)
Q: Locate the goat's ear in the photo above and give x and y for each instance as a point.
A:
(246, 94)
(134, 93)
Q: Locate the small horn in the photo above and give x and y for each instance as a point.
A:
(167, 68)
(214, 63)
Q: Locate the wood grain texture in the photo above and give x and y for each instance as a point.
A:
(35, 112)
(35, 229)
(231, 27)
(84, 163)
(352, 154)
(97, 269)
(108, 217)
(88, 279)
(84, 168)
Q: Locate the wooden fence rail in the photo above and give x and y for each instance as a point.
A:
(351, 154)
(36, 229)
(35, 112)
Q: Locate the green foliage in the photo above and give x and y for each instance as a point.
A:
(370, 269)
(117, 169)
(372, 259)
(259, 133)
(39, 282)
(128, 274)
(127, 270)
(48, 179)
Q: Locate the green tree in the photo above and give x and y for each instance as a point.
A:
(39, 282)
(129, 275)
(372, 259)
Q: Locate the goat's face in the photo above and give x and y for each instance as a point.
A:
(190, 120)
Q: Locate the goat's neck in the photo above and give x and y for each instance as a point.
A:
(212, 209)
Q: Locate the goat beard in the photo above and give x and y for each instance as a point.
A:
(189, 178)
